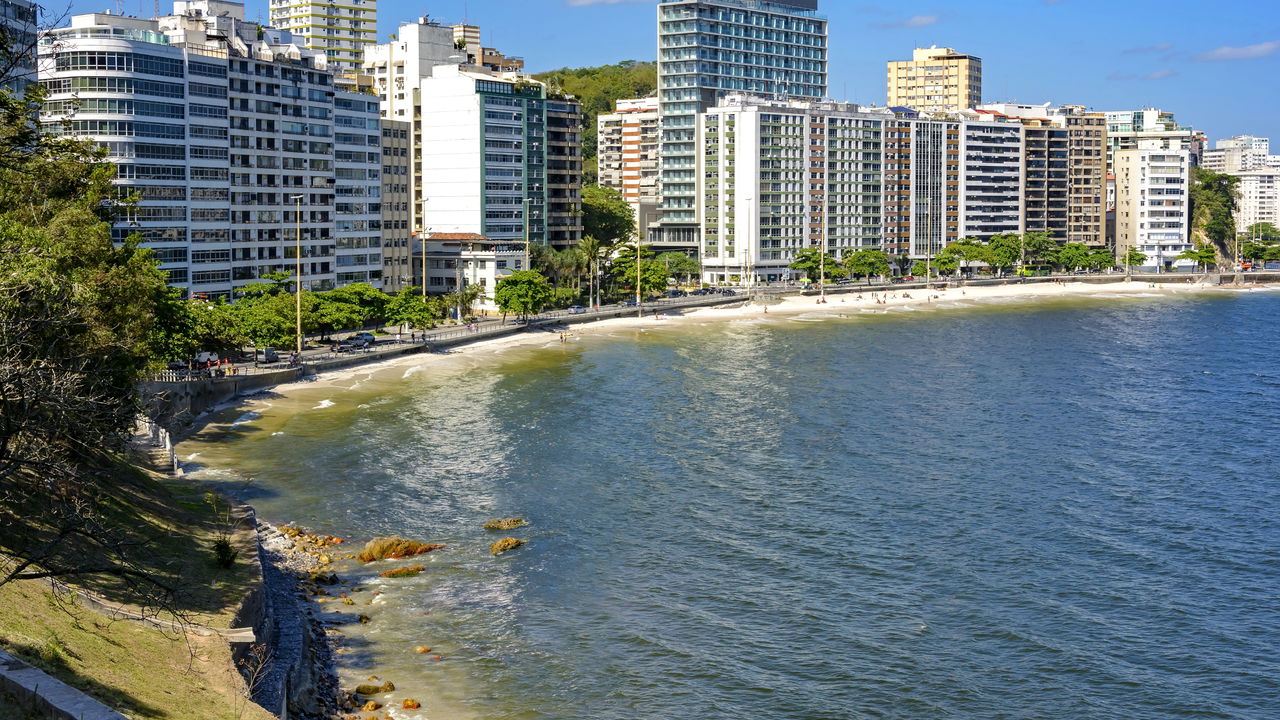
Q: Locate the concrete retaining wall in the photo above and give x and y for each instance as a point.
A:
(48, 696)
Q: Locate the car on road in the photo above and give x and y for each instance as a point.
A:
(577, 310)
(844, 281)
(727, 291)
(365, 337)
(629, 302)
(677, 293)
(266, 355)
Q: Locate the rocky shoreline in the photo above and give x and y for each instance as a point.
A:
(301, 677)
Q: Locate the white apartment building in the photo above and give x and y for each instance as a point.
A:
(225, 130)
(1240, 154)
(776, 177)
(1259, 199)
(1153, 202)
(627, 155)
(484, 154)
(342, 31)
(708, 49)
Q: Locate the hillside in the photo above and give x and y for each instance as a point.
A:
(597, 88)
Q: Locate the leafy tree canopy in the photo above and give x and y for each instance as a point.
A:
(523, 293)
(606, 216)
(597, 88)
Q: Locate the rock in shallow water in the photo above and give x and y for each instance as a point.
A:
(504, 523)
(507, 543)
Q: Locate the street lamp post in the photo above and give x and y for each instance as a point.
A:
(297, 275)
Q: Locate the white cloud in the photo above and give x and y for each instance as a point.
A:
(1161, 47)
(1248, 52)
(915, 21)
(1160, 74)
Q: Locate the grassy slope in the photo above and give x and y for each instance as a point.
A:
(142, 671)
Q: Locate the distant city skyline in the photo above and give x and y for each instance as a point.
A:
(1209, 66)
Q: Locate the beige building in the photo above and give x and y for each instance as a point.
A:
(627, 154)
(936, 80)
(1153, 202)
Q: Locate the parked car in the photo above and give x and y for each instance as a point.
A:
(266, 355)
(577, 310)
(677, 293)
(365, 337)
(844, 281)
(629, 302)
(727, 291)
(206, 357)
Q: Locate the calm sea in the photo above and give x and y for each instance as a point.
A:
(1048, 509)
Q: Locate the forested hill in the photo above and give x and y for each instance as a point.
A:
(597, 88)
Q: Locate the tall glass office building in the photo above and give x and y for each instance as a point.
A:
(776, 49)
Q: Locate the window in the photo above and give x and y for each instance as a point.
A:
(121, 61)
(199, 67)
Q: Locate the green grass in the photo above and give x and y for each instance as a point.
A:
(140, 670)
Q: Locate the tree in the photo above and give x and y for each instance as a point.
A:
(409, 307)
(1100, 259)
(606, 215)
(622, 269)
(1073, 256)
(1039, 248)
(465, 299)
(269, 320)
(1250, 250)
(1132, 258)
(1200, 255)
(867, 262)
(1213, 204)
(1004, 251)
(679, 265)
(947, 261)
(186, 327)
(1264, 231)
(812, 261)
(522, 293)
(77, 323)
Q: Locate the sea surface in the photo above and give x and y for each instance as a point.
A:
(1019, 509)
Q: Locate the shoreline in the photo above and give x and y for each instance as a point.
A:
(325, 665)
(850, 300)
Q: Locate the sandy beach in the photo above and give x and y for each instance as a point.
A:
(847, 301)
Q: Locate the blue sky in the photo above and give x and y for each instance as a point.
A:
(1215, 64)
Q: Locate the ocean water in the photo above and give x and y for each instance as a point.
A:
(1032, 509)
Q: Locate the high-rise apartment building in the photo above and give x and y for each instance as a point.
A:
(357, 172)
(936, 80)
(564, 172)
(484, 154)
(1065, 169)
(467, 39)
(399, 68)
(710, 48)
(18, 37)
(226, 131)
(397, 238)
(1259, 198)
(342, 31)
(627, 155)
(775, 177)
(922, 171)
(1153, 201)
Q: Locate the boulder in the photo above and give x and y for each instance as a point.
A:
(505, 523)
(407, 571)
(507, 543)
(392, 548)
(410, 704)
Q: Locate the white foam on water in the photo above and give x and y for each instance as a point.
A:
(278, 432)
(247, 417)
(192, 456)
(412, 371)
(323, 404)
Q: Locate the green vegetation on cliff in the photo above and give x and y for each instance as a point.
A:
(597, 88)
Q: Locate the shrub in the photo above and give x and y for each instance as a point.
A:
(224, 556)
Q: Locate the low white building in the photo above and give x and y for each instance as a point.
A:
(1153, 202)
(459, 260)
